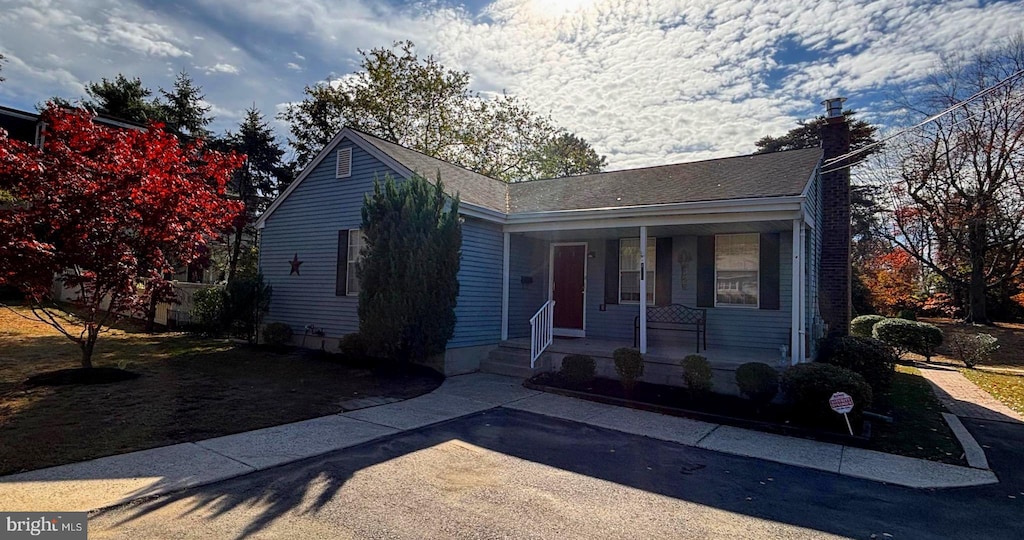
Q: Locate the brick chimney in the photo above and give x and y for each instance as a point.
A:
(834, 278)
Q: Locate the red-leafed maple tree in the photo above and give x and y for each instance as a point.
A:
(108, 213)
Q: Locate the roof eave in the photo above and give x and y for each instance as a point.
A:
(759, 204)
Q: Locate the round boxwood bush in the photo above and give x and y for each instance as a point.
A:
(871, 358)
(808, 387)
(353, 346)
(578, 370)
(277, 334)
(629, 364)
(861, 326)
(697, 373)
(909, 336)
(758, 381)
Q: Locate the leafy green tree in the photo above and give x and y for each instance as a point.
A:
(423, 105)
(123, 98)
(183, 108)
(568, 155)
(255, 183)
(409, 272)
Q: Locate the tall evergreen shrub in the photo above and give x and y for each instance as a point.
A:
(409, 272)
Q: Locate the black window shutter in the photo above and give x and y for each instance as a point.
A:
(341, 283)
(611, 272)
(769, 285)
(705, 271)
(663, 271)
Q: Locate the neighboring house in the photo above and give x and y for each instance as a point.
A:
(27, 127)
(747, 238)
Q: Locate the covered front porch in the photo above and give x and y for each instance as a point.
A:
(585, 288)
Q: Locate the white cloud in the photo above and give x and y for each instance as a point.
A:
(222, 67)
(646, 82)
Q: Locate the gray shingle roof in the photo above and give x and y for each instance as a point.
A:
(777, 174)
(755, 176)
(472, 187)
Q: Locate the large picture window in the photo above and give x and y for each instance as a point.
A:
(355, 249)
(629, 270)
(737, 259)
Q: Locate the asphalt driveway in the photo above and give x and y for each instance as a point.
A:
(511, 474)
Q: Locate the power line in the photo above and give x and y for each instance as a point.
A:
(920, 124)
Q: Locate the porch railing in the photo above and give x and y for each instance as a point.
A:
(541, 334)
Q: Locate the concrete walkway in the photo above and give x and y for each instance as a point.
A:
(114, 480)
(964, 399)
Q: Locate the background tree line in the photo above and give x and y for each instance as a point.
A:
(938, 211)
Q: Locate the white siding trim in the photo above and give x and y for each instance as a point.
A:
(505, 261)
(643, 289)
(795, 341)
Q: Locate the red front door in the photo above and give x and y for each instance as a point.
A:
(569, 265)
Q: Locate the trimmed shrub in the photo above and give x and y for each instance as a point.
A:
(861, 326)
(408, 275)
(909, 336)
(578, 369)
(352, 346)
(629, 364)
(871, 358)
(973, 349)
(808, 387)
(207, 315)
(277, 334)
(758, 381)
(907, 315)
(697, 373)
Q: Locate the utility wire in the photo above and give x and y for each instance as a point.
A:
(928, 120)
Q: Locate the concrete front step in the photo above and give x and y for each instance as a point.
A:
(508, 361)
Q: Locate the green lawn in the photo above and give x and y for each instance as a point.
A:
(1006, 388)
(919, 429)
(189, 388)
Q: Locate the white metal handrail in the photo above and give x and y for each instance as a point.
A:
(541, 330)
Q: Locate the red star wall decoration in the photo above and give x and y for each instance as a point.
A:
(295, 262)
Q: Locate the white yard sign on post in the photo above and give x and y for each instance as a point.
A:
(842, 403)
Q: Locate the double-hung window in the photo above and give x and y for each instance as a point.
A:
(737, 261)
(629, 270)
(355, 249)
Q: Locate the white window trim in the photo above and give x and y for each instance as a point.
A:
(349, 263)
(715, 291)
(652, 244)
(347, 154)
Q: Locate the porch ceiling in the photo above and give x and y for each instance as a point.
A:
(664, 230)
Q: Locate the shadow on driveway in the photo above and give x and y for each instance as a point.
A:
(754, 495)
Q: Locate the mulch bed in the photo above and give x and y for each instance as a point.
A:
(708, 407)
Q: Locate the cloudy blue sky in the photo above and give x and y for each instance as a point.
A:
(646, 81)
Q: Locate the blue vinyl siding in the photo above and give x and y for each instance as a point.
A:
(307, 224)
(727, 327)
(478, 311)
(528, 258)
(812, 314)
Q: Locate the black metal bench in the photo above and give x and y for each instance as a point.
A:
(675, 317)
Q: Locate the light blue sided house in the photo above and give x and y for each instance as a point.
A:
(742, 259)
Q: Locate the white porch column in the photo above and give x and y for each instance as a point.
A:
(504, 287)
(796, 340)
(643, 289)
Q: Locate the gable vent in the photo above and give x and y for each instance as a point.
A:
(344, 166)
